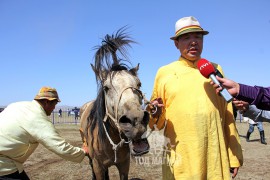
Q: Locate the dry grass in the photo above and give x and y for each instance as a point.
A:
(43, 164)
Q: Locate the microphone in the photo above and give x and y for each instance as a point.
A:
(209, 71)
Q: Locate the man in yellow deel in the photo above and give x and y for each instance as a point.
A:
(204, 143)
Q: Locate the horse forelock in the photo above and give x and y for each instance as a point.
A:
(119, 67)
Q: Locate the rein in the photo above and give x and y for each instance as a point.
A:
(116, 120)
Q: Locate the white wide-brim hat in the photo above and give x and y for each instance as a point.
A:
(187, 25)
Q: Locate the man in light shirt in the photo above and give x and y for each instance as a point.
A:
(26, 124)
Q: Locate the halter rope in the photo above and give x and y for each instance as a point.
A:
(116, 120)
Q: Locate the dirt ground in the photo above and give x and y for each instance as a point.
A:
(43, 164)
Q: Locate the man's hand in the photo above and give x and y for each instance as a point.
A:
(85, 149)
(241, 105)
(156, 107)
(234, 171)
(232, 87)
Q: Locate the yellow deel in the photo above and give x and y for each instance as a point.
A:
(200, 124)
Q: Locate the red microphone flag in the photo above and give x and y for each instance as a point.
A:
(205, 67)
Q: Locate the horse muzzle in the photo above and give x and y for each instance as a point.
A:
(139, 147)
(134, 129)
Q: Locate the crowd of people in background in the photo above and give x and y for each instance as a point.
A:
(66, 113)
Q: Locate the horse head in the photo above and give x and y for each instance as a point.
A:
(120, 91)
(123, 101)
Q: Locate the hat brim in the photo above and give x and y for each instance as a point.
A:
(50, 99)
(189, 31)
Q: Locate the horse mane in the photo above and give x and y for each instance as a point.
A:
(97, 114)
(108, 61)
(108, 53)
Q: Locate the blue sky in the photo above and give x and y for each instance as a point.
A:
(50, 43)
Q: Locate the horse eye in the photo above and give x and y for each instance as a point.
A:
(105, 88)
(139, 84)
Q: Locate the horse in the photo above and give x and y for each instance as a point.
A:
(113, 126)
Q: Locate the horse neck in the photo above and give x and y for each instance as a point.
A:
(112, 130)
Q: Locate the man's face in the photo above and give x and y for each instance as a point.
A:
(190, 45)
(50, 106)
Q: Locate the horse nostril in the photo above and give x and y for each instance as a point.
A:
(124, 119)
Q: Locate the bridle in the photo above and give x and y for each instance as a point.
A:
(115, 119)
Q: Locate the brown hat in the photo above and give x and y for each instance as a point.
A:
(47, 93)
(187, 25)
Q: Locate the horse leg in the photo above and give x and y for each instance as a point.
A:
(123, 169)
(123, 174)
(107, 175)
(91, 164)
(99, 171)
(90, 160)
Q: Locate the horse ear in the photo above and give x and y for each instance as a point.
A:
(100, 75)
(94, 69)
(103, 75)
(135, 70)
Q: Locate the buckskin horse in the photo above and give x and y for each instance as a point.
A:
(113, 125)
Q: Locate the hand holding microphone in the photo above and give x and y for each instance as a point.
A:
(209, 71)
(232, 87)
